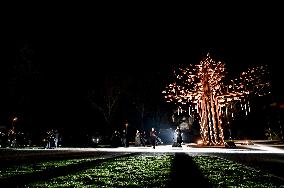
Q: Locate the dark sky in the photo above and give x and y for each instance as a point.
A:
(70, 54)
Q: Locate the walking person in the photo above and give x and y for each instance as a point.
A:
(153, 137)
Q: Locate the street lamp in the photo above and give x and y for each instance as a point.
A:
(126, 126)
(13, 122)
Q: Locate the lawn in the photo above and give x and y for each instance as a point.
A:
(153, 170)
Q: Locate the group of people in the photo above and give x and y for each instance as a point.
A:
(141, 139)
(51, 139)
(144, 139)
(119, 139)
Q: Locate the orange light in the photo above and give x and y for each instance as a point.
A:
(199, 142)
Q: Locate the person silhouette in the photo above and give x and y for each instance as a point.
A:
(124, 138)
(138, 138)
(179, 136)
(153, 137)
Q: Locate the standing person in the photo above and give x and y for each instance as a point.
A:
(179, 137)
(124, 138)
(115, 139)
(49, 139)
(56, 138)
(153, 136)
(144, 138)
(138, 138)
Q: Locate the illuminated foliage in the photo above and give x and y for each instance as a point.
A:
(202, 90)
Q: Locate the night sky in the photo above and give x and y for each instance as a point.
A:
(48, 69)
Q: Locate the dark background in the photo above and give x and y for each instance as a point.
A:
(50, 63)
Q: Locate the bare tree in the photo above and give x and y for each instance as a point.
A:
(106, 98)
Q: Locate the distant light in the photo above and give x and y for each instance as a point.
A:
(199, 142)
(247, 142)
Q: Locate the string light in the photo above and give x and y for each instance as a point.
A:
(203, 87)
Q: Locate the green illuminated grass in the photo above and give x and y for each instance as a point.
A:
(225, 173)
(144, 171)
(37, 167)
(134, 171)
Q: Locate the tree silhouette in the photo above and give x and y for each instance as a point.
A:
(106, 97)
(24, 84)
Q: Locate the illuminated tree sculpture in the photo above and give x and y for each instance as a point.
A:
(202, 89)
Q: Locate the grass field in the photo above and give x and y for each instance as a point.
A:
(148, 170)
